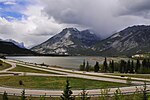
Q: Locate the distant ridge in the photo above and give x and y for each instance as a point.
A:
(9, 48)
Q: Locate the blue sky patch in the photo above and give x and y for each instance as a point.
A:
(13, 10)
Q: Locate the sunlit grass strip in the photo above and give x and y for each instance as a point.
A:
(41, 82)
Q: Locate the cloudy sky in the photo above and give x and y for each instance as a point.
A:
(34, 21)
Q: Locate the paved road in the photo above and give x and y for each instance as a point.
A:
(77, 75)
(13, 65)
(68, 73)
(93, 92)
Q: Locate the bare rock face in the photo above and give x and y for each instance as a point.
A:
(132, 40)
(69, 41)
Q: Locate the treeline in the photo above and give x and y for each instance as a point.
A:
(130, 66)
(139, 94)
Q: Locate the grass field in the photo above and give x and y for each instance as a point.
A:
(54, 82)
(4, 65)
(26, 69)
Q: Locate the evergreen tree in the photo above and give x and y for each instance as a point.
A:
(96, 67)
(111, 66)
(128, 66)
(105, 65)
(144, 63)
(42, 97)
(148, 63)
(137, 67)
(145, 92)
(84, 63)
(132, 67)
(87, 68)
(23, 97)
(84, 95)
(67, 92)
(82, 67)
(5, 96)
(122, 66)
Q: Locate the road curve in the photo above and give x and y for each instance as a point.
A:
(36, 92)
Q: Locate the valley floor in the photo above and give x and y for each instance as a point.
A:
(44, 76)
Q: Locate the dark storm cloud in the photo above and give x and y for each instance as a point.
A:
(103, 16)
(137, 8)
(45, 18)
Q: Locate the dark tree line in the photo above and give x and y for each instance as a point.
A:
(123, 66)
(130, 66)
(87, 67)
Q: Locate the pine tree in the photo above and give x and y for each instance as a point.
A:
(67, 92)
(84, 95)
(96, 67)
(82, 67)
(144, 63)
(132, 67)
(105, 65)
(148, 63)
(137, 67)
(87, 68)
(23, 97)
(42, 97)
(128, 66)
(5, 96)
(122, 66)
(84, 63)
(145, 92)
(111, 65)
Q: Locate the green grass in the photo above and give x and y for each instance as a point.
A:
(83, 73)
(4, 73)
(4, 65)
(20, 68)
(54, 82)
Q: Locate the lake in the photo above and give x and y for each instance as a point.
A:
(66, 62)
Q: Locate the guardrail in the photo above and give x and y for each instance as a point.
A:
(90, 95)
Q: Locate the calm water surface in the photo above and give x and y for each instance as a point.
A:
(66, 62)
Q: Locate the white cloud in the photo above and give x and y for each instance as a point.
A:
(34, 29)
(9, 3)
(48, 17)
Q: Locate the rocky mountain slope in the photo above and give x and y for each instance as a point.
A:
(69, 41)
(130, 41)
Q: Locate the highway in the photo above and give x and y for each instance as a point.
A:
(68, 73)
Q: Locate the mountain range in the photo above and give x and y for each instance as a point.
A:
(130, 41)
(71, 41)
